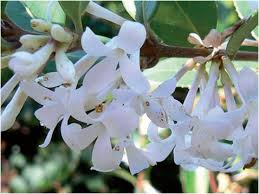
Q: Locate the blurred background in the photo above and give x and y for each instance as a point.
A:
(27, 168)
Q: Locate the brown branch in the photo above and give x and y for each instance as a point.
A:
(175, 51)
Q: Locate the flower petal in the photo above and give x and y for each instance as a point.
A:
(77, 138)
(123, 95)
(101, 75)
(136, 158)
(174, 109)
(103, 149)
(132, 75)
(152, 133)
(36, 92)
(120, 121)
(50, 115)
(47, 139)
(159, 151)
(155, 112)
(92, 45)
(248, 83)
(165, 89)
(64, 66)
(78, 99)
(50, 80)
(136, 39)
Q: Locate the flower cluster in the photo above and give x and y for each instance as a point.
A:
(115, 94)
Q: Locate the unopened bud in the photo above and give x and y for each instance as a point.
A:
(5, 61)
(40, 25)
(195, 39)
(64, 66)
(8, 87)
(26, 64)
(33, 42)
(12, 110)
(59, 34)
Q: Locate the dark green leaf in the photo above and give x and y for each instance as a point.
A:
(243, 32)
(3, 5)
(141, 11)
(17, 13)
(74, 10)
(174, 20)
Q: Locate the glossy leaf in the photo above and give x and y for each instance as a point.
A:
(17, 13)
(244, 10)
(141, 11)
(74, 9)
(174, 20)
(243, 32)
(48, 10)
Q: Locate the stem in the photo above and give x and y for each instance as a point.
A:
(177, 51)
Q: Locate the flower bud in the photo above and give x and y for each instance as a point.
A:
(5, 61)
(59, 34)
(26, 64)
(40, 25)
(64, 66)
(8, 87)
(33, 42)
(12, 110)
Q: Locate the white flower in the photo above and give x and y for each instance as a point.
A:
(64, 101)
(122, 46)
(247, 140)
(115, 121)
(160, 110)
(198, 139)
(26, 64)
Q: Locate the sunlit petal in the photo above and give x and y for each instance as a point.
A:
(131, 36)
(92, 45)
(103, 157)
(132, 75)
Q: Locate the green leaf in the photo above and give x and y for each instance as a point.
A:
(141, 11)
(168, 67)
(17, 13)
(242, 32)
(174, 20)
(74, 10)
(46, 10)
(3, 5)
(244, 9)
